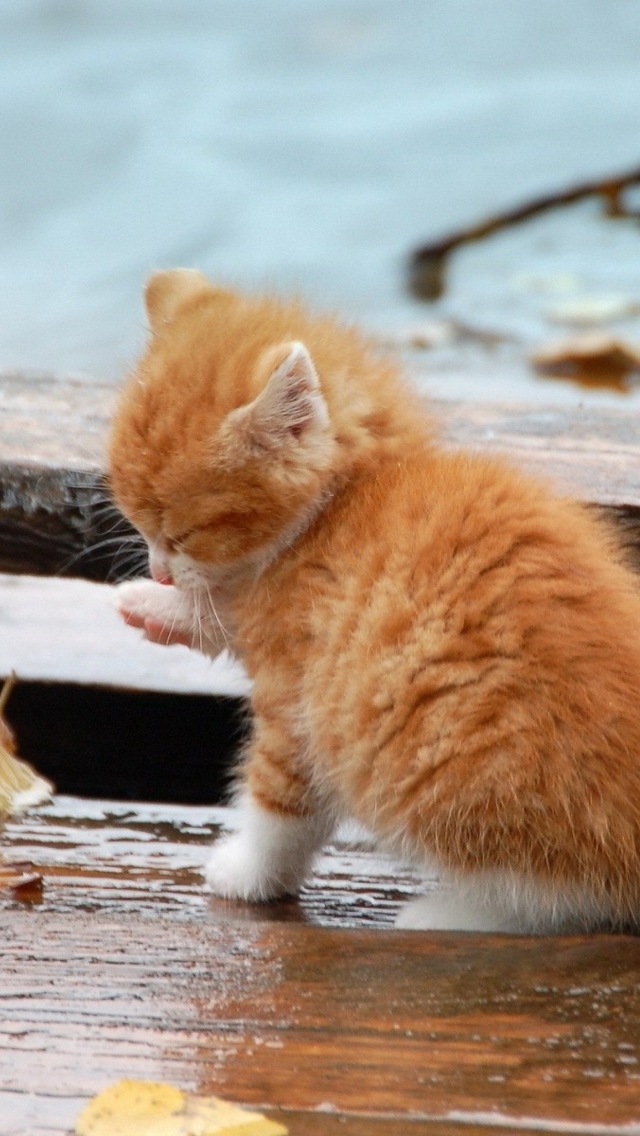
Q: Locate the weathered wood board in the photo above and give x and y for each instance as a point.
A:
(312, 1008)
(101, 711)
(52, 458)
(68, 630)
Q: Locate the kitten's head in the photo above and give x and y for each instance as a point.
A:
(222, 445)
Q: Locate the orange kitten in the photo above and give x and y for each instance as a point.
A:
(439, 647)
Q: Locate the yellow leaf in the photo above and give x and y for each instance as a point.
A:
(147, 1108)
(20, 786)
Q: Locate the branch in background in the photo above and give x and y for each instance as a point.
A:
(427, 267)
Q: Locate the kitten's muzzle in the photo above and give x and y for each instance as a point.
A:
(160, 573)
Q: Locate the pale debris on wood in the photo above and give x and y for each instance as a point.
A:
(589, 310)
(443, 333)
(147, 1108)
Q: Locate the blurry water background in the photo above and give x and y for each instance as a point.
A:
(308, 145)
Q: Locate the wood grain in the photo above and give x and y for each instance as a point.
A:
(125, 969)
(52, 459)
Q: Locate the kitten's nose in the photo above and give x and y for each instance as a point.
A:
(160, 574)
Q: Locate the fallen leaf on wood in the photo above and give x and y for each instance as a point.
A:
(593, 359)
(147, 1108)
(19, 877)
(20, 786)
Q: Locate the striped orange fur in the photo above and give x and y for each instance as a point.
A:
(439, 645)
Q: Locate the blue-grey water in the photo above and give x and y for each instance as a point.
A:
(308, 145)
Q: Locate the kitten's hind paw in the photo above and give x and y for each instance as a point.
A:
(446, 910)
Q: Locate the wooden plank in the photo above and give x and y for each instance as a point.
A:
(37, 1117)
(52, 454)
(103, 712)
(125, 969)
(119, 857)
(61, 630)
(51, 1116)
(591, 452)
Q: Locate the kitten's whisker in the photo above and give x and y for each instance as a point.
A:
(91, 549)
(127, 567)
(196, 597)
(124, 557)
(118, 521)
(173, 625)
(126, 541)
(212, 610)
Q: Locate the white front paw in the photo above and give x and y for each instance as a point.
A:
(146, 599)
(163, 613)
(237, 870)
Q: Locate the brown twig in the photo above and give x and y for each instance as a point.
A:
(427, 268)
(7, 687)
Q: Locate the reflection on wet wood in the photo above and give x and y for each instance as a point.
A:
(117, 857)
(52, 497)
(313, 1009)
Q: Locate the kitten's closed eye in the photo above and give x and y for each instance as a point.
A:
(176, 542)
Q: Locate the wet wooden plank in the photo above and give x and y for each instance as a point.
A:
(120, 857)
(52, 433)
(44, 1116)
(51, 1116)
(591, 452)
(316, 1008)
(52, 439)
(101, 711)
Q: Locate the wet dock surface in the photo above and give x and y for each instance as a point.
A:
(313, 1008)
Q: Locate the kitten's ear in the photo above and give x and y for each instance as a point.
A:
(291, 406)
(167, 291)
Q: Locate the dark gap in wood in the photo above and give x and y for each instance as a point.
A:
(626, 518)
(129, 745)
(56, 523)
(67, 544)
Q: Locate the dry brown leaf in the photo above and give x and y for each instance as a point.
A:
(147, 1108)
(23, 880)
(20, 786)
(19, 877)
(594, 359)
